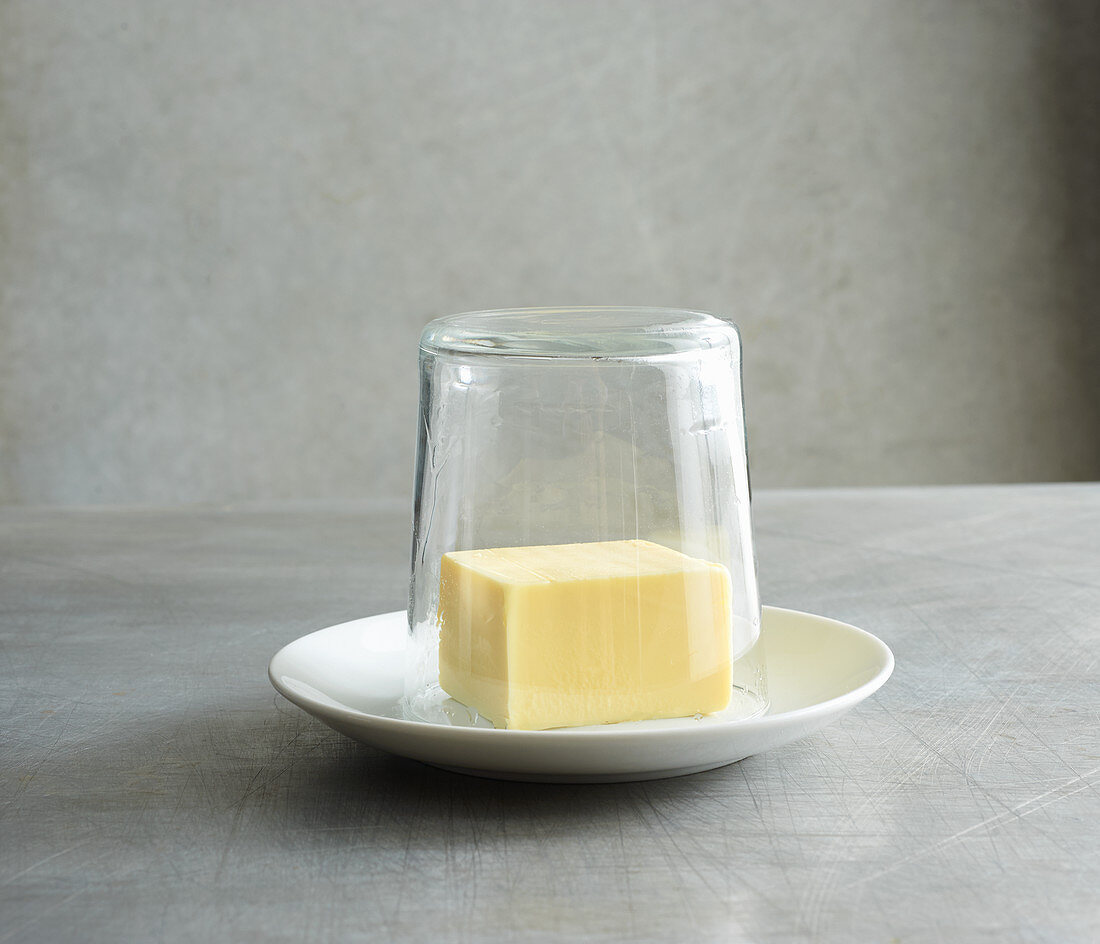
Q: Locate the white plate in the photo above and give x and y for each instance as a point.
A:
(351, 677)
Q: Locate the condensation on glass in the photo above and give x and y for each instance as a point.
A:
(567, 430)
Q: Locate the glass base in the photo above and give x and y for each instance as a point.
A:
(435, 706)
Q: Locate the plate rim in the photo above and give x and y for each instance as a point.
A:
(761, 723)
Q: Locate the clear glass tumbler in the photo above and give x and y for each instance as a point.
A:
(582, 544)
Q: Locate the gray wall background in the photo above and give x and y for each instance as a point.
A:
(223, 225)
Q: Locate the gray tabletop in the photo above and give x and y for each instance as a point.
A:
(155, 788)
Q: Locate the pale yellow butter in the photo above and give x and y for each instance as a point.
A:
(572, 634)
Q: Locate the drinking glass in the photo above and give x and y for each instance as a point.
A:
(582, 530)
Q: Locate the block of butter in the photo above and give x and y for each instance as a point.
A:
(574, 634)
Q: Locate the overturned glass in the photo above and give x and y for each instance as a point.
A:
(582, 541)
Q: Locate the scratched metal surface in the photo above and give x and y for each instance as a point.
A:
(155, 788)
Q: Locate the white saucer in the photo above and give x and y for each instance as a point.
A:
(351, 677)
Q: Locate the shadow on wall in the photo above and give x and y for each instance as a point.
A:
(1072, 70)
